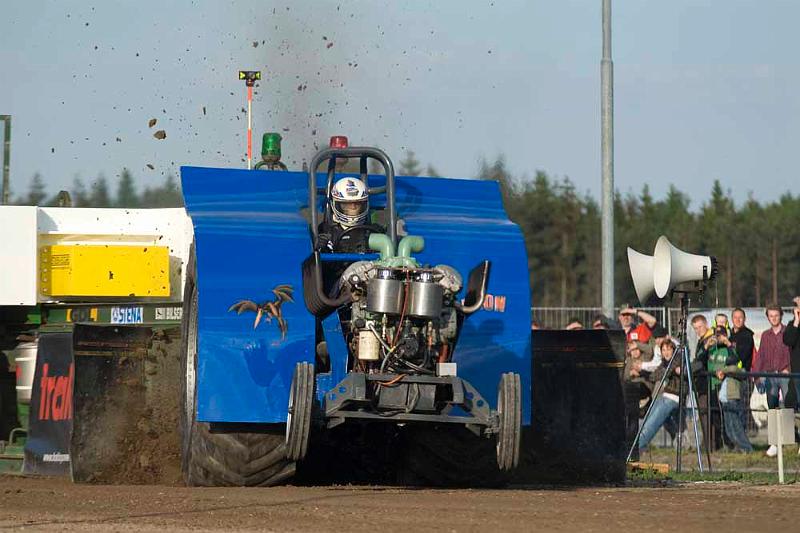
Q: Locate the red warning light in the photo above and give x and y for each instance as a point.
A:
(338, 141)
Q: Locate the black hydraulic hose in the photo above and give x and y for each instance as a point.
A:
(343, 298)
(415, 367)
(426, 360)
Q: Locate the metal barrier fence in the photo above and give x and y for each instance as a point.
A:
(559, 317)
(666, 438)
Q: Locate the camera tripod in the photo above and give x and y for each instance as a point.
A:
(685, 376)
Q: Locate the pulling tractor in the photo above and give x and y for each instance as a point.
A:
(404, 357)
(411, 352)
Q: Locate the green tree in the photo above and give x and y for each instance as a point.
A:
(678, 220)
(172, 192)
(126, 191)
(588, 242)
(717, 232)
(167, 195)
(534, 207)
(431, 172)
(99, 196)
(36, 191)
(375, 167)
(781, 218)
(498, 172)
(410, 165)
(80, 198)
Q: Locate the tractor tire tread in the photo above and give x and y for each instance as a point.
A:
(450, 457)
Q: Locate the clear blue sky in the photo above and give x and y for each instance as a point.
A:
(704, 90)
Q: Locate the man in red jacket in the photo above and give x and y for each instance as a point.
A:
(634, 330)
(773, 356)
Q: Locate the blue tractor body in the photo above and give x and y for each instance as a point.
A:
(251, 232)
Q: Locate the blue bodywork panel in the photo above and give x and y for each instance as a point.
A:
(251, 235)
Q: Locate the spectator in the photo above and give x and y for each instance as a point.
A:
(742, 338)
(773, 356)
(713, 350)
(573, 324)
(730, 398)
(535, 325)
(641, 331)
(791, 338)
(721, 321)
(656, 342)
(632, 392)
(666, 403)
(600, 322)
(638, 386)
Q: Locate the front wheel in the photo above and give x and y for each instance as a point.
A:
(301, 403)
(509, 413)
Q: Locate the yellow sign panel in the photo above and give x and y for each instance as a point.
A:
(82, 314)
(104, 270)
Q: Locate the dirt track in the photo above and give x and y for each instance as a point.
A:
(57, 504)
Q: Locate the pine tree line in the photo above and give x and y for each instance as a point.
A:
(99, 194)
(757, 244)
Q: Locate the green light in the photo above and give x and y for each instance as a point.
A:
(271, 147)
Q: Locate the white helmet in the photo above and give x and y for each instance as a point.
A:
(349, 202)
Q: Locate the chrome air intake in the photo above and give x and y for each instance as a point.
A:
(385, 294)
(425, 297)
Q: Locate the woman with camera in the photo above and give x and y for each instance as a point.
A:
(667, 402)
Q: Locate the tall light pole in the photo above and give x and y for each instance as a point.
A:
(6, 192)
(607, 149)
(250, 77)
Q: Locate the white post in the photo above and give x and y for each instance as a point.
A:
(780, 447)
(779, 422)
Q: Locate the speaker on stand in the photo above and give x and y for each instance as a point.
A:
(641, 266)
(662, 273)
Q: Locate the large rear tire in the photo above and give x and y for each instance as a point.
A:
(220, 458)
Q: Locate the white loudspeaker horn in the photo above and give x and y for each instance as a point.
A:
(641, 266)
(672, 266)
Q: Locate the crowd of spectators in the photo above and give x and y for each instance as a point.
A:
(724, 354)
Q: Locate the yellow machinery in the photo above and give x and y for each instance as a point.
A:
(70, 270)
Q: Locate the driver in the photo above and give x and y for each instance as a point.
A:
(349, 208)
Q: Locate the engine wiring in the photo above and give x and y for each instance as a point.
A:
(403, 311)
